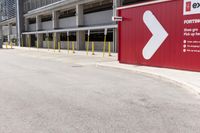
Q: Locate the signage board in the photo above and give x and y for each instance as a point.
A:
(161, 34)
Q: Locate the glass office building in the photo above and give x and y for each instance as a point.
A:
(7, 9)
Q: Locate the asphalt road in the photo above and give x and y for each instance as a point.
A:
(45, 92)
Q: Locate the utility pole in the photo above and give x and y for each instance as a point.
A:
(19, 20)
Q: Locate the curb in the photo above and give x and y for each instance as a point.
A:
(182, 84)
(65, 51)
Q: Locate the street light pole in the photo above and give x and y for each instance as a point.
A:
(19, 20)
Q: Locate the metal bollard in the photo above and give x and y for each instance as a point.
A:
(6, 45)
(46, 41)
(73, 47)
(48, 44)
(54, 43)
(29, 42)
(59, 46)
(22, 42)
(104, 47)
(93, 48)
(109, 49)
(68, 45)
(11, 45)
(87, 46)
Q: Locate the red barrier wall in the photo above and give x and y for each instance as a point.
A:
(165, 34)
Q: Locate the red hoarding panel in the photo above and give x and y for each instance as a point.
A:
(165, 34)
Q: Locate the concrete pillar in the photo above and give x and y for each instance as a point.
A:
(55, 17)
(56, 36)
(28, 41)
(26, 24)
(116, 3)
(39, 27)
(9, 32)
(26, 38)
(115, 40)
(1, 36)
(80, 35)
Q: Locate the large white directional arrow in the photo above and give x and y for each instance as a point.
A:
(158, 37)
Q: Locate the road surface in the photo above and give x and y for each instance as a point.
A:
(46, 92)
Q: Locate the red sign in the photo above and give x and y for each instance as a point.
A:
(161, 33)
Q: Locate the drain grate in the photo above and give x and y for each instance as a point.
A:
(77, 66)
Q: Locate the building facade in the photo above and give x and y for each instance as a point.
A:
(33, 22)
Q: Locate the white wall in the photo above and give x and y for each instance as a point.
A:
(67, 22)
(32, 27)
(98, 18)
(47, 25)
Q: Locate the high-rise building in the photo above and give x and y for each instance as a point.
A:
(7, 9)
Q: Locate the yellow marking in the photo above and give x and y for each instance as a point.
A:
(93, 48)
(11, 45)
(87, 46)
(68, 45)
(29, 42)
(59, 46)
(73, 47)
(109, 49)
(54, 42)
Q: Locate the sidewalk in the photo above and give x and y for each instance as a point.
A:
(65, 51)
(186, 79)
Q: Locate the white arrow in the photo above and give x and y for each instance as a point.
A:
(158, 37)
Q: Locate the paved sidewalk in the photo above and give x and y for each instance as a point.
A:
(186, 79)
(70, 52)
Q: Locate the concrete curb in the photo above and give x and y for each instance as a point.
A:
(137, 69)
(65, 51)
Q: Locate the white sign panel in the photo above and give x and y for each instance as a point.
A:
(191, 7)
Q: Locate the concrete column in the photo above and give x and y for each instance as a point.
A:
(28, 41)
(115, 40)
(56, 36)
(116, 3)
(39, 27)
(26, 37)
(1, 36)
(55, 17)
(26, 24)
(80, 35)
(9, 32)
